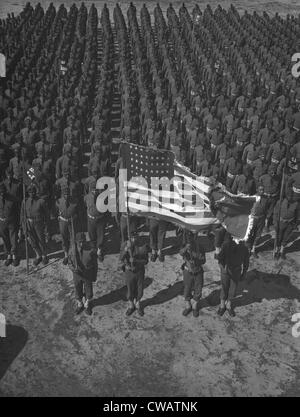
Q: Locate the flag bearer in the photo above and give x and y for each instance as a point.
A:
(287, 218)
(134, 258)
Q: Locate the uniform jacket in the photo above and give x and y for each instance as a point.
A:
(83, 263)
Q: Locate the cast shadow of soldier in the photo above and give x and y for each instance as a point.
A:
(11, 346)
(256, 287)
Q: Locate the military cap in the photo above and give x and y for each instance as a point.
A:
(96, 146)
(67, 147)
(39, 147)
(16, 146)
(92, 185)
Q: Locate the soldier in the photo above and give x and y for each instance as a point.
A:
(194, 257)
(96, 221)
(9, 224)
(34, 212)
(234, 262)
(157, 233)
(83, 263)
(286, 219)
(271, 184)
(67, 216)
(134, 258)
(244, 183)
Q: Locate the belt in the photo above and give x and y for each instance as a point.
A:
(258, 217)
(249, 161)
(230, 175)
(3, 220)
(93, 217)
(270, 195)
(240, 143)
(213, 145)
(296, 190)
(275, 161)
(192, 272)
(63, 219)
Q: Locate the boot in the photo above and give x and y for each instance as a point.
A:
(153, 256)
(45, 260)
(88, 307)
(100, 255)
(8, 260)
(16, 261)
(79, 307)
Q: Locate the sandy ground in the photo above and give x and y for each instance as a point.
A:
(50, 352)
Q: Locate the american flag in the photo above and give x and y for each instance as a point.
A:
(187, 200)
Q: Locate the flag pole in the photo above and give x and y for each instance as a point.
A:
(280, 197)
(24, 214)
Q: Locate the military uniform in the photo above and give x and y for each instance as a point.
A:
(194, 257)
(67, 212)
(157, 233)
(34, 212)
(285, 222)
(9, 223)
(96, 222)
(135, 271)
(83, 264)
(234, 262)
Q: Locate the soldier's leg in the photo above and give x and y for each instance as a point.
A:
(78, 285)
(13, 235)
(40, 232)
(33, 241)
(259, 227)
(4, 233)
(101, 224)
(131, 289)
(65, 235)
(162, 229)
(140, 291)
(231, 294)
(219, 239)
(198, 285)
(279, 232)
(188, 281)
(92, 231)
(270, 210)
(88, 291)
(285, 238)
(225, 284)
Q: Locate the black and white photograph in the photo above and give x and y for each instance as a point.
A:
(149, 201)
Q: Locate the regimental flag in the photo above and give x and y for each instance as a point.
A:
(159, 187)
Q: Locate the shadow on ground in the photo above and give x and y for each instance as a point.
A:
(11, 346)
(258, 286)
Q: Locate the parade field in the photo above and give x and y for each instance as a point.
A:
(197, 301)
(48, 352)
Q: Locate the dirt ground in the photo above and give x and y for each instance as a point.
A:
(50, 352)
